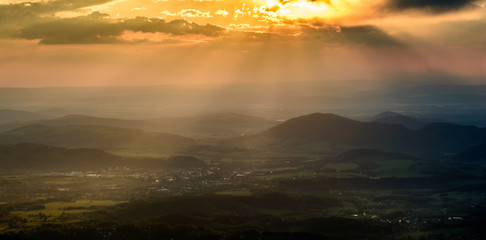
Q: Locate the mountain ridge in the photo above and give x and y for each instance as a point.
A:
(330, 130)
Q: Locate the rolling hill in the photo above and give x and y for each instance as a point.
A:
(92, 136)
(29, 156)
(201, 126)
(412, 122)
(10, 116)
(319, 132)
(473, 154)
(42, 157)
(403, 120)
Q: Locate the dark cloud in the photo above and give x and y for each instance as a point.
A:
(175, 27)
(435, 6)
(37, 21)
(97, 28)
(33, 9)
(14, 16)
(356, 35)
(86, 29)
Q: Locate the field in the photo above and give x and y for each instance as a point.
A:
(403, 196)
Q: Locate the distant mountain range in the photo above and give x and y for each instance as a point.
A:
(9, 116)
(16, 116)
(406, 121)
(331, 133)
(313, 133)
(201, 126)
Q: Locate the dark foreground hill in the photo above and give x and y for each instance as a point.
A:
(328, 132)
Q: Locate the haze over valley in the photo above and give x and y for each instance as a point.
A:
(238, 119)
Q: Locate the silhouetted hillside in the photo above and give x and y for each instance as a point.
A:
(43, 157)
(386, 114)
(405, 121)
(474, 154)
(320, 132)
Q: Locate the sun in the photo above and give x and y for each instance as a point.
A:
(278, 10)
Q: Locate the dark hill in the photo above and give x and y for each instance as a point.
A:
(474, 154)
(43, 157)
(385, 115)
(316, 126)
(323, 132)
(405, 121)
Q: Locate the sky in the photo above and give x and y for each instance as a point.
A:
(157, 42)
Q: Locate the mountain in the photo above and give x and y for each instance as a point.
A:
(29, 156)
(385, 115)
(201, 126)
(473, 154)
(8, 116)
(43, 157)
(54, 112)
(396, 118)
(412, 122)
(319, 132)
(93, 136)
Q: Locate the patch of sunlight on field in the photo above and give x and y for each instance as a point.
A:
(238, 193)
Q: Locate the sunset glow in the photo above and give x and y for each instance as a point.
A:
(316, 38)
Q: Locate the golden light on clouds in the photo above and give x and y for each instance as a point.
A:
(188, 41)
(277, 10)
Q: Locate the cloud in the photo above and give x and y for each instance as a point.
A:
(319, 36)
(188, 13)
(14, 16)
(99, 28)
(191, 13)
(434, 6)
(366, 35)
(31, 9)
(221, 12)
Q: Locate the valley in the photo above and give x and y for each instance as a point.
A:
(289, 181)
